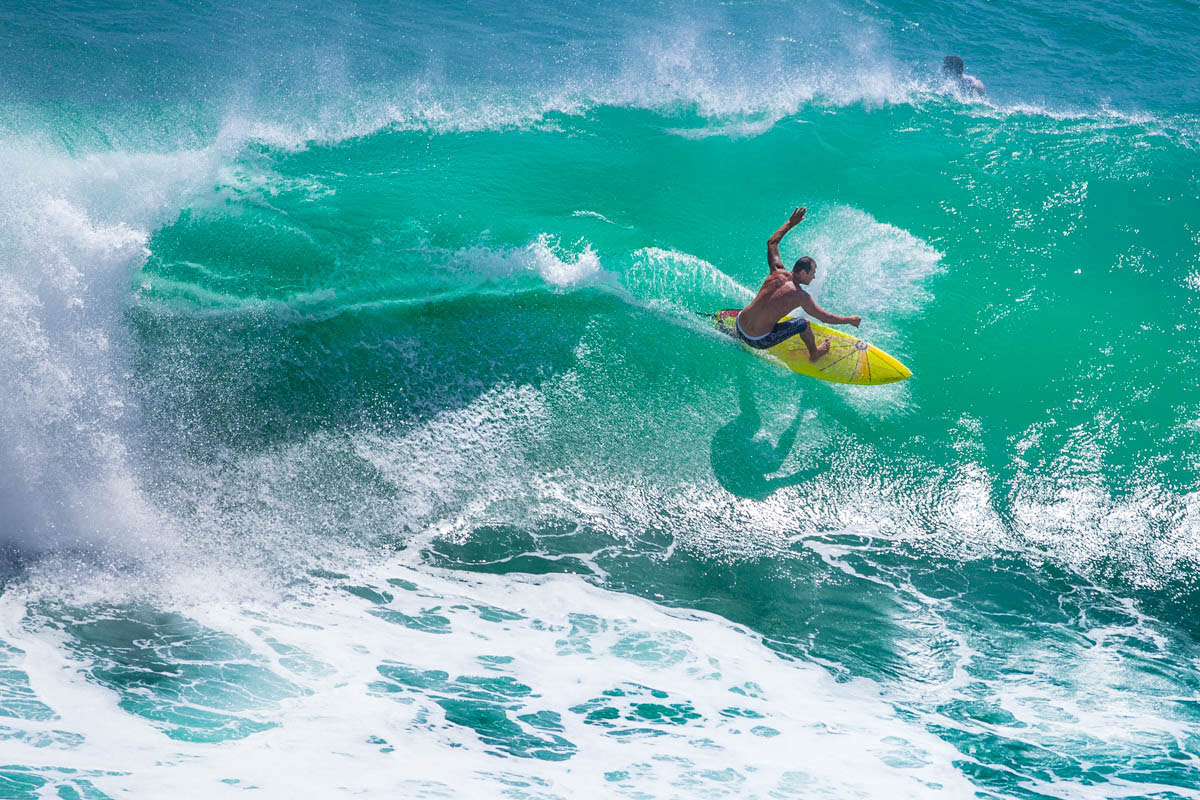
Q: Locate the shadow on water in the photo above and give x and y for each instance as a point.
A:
(742, 458)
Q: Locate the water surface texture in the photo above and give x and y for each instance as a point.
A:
(358, 435)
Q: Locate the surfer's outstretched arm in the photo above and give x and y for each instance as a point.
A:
(813, 310)
(773, 259)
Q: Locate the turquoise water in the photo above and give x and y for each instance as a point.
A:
(360, 437)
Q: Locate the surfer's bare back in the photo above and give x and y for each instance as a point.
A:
(758, 324)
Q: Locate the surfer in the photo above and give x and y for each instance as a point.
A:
(952, 69)
(758, 324)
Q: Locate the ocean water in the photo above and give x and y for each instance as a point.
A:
(358, 435)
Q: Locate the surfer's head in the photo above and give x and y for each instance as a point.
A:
(804, 270)
(952, 67)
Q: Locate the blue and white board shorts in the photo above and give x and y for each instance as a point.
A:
(781, 332)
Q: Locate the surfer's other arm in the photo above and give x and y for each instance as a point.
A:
(773, 259)
(813, 310)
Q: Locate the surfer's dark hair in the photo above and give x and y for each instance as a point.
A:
(804, 264)
(953, 65)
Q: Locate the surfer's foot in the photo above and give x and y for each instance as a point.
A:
(821, 350)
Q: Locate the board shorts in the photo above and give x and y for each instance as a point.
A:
(781, 332)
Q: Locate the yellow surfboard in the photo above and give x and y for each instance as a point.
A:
(849, 360)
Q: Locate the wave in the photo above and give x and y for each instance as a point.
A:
(77, 228)
(543, 264)
(685, 104)
(74, 229)
(706, 111)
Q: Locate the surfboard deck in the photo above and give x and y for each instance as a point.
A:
(849, 360)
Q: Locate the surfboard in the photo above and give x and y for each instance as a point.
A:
(849, 360)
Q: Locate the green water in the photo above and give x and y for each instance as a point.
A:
(364, 433)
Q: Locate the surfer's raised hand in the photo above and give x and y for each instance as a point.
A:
(773, 259)
(855, 321)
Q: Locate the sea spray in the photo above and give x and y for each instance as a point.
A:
(363, 429)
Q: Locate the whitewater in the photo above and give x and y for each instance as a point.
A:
(361, 432)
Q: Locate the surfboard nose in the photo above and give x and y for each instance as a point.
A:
(886, 368)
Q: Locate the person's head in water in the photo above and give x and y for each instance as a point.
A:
(953, 72)
(952, 67)
(804, 270)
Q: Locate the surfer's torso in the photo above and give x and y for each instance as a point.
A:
(778, 295)
(971, 85)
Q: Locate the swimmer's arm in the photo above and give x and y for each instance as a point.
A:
(816, 312)
(774, 261)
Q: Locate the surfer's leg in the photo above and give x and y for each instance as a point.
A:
(814, 351)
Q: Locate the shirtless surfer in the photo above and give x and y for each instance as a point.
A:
(953, 71)
(758, 324)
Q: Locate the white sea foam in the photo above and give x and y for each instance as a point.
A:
(562, 270)
(627, 696)
(559, 265)
(583, 212)
(868, 267)
(677, 84)
(417, 108)
(73, 229)
(731, 714)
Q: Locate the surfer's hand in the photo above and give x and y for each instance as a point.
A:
(797, 215)
(855, 321)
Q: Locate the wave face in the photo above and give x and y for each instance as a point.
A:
(359, 431)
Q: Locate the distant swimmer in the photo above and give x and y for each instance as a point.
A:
(952, 69)
(758, 324)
